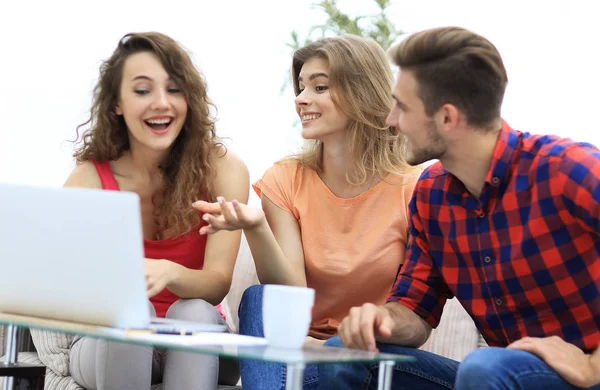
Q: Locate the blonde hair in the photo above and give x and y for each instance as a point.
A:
(361, 85)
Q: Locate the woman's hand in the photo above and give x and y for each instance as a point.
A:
(228, 216)
(159, 274)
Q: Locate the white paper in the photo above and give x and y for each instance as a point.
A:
(208, 338)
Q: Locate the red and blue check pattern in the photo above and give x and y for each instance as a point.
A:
(523, 257)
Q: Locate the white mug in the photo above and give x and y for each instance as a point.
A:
(287, 313)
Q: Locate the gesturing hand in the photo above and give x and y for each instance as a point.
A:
(159, 273)
(228, 215)
(570, 362)
(359, 329)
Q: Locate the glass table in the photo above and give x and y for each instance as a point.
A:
(294, 359)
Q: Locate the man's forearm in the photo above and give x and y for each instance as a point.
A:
(409, 329)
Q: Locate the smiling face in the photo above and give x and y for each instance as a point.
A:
(424, 141)
(151, 103)
(320, 115)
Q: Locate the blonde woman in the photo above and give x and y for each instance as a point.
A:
(333, 218)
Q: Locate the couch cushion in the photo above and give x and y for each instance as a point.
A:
(52, 380)
(244, 276)
(53, 349)
(58, 382)
(26, 357)
(456, 335)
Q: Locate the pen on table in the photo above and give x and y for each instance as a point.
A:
(166, 332)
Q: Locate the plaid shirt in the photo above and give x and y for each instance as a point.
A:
(523, 257)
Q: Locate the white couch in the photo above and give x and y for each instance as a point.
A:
(454, 338)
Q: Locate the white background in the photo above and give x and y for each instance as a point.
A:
(51, 51)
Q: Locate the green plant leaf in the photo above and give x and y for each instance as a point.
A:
(377, 27)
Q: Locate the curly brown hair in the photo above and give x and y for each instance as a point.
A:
(188, 170)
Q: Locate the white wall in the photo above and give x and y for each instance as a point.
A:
(550, 49)
(51, 52)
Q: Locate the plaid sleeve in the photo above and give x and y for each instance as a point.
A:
(419, 284)
(580, 185)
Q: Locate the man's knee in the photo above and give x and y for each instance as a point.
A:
(481, 364)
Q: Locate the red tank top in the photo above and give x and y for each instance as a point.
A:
(187, 250)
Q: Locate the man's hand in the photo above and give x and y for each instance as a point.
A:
(567, 360)
(228, 215)
(360, 328)
(159, 273)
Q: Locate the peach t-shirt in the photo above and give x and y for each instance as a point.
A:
(352, 247)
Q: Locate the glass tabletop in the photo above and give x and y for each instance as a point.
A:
(226, 345)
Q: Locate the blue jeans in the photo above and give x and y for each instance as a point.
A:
(486, 368)
(257, 375)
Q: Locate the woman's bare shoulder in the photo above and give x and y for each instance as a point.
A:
(84, 175)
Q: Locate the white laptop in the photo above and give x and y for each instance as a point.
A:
(77, 255)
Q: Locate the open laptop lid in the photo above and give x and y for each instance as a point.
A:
(72, 254)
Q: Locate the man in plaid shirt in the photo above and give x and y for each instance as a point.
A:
(507, 222)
